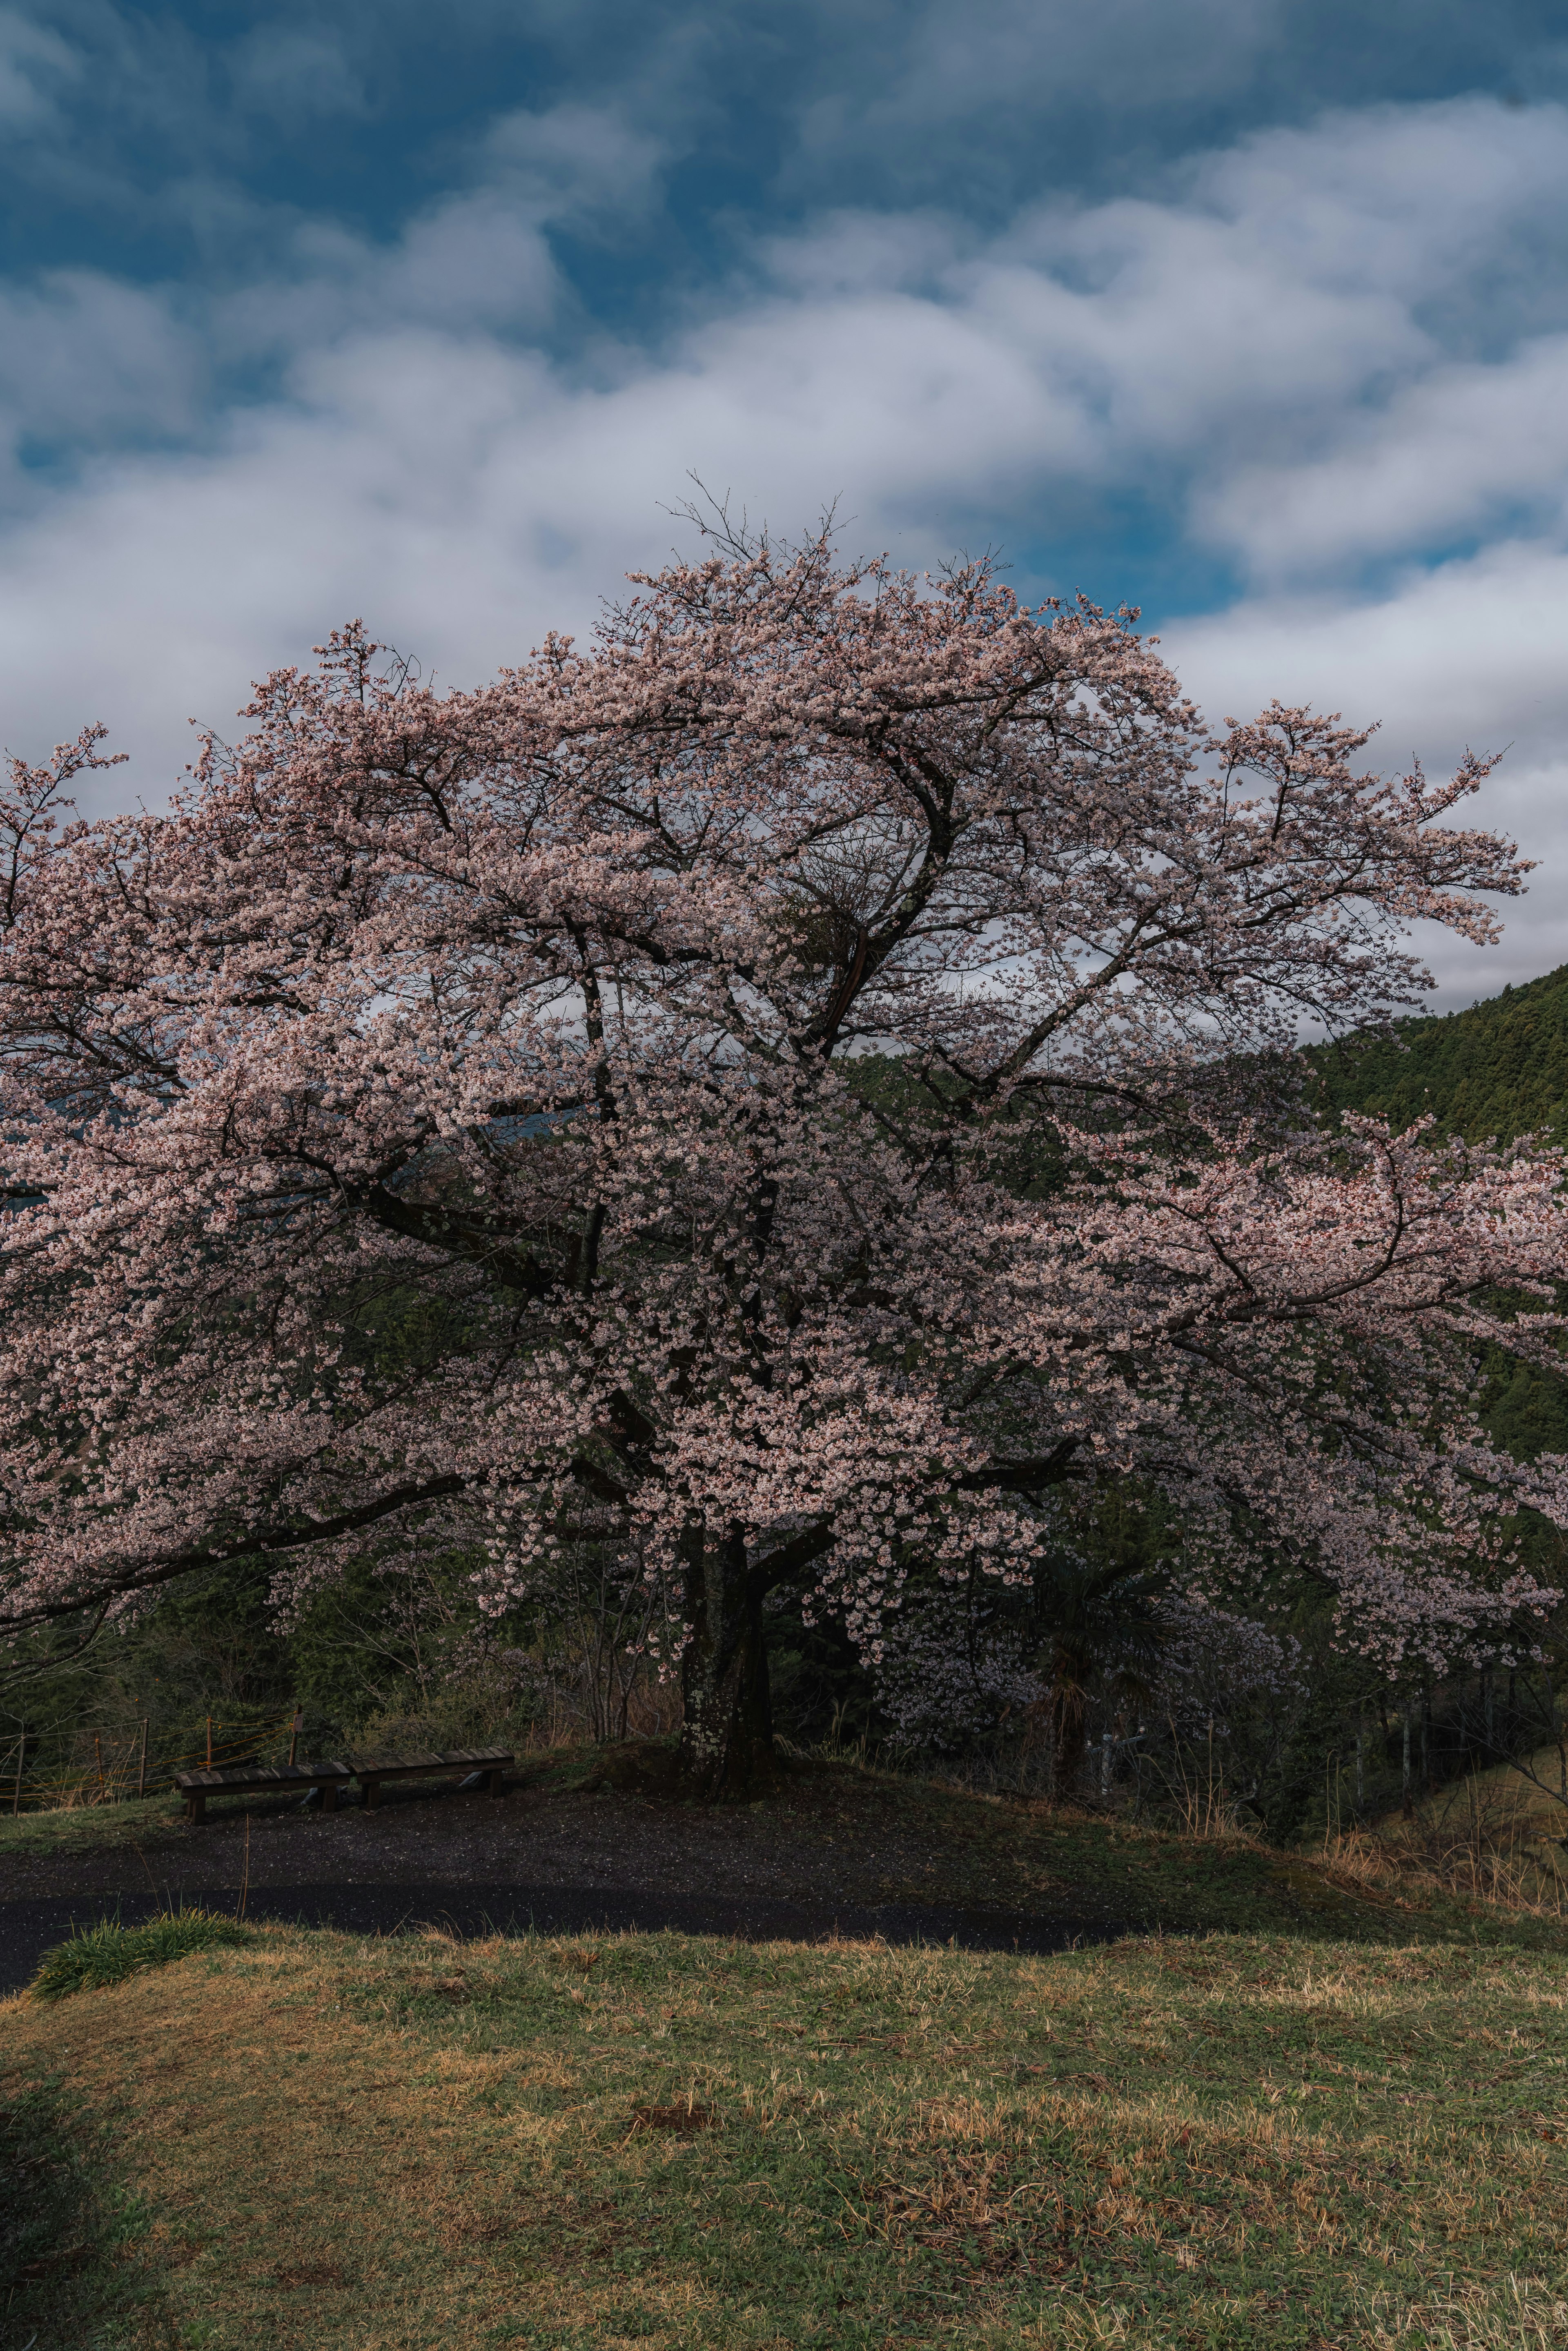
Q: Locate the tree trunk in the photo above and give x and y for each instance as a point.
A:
(727, 1735)
(1069, 1725)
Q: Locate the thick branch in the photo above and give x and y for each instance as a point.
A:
(281, 1535)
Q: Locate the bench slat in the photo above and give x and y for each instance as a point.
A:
(262, 1775)
(488, 1763)
(370, 1770)
(451, 1759)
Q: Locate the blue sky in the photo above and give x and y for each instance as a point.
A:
(1254, 314)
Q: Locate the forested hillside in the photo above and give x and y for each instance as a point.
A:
(1500, 1067)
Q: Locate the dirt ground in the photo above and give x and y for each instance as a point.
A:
(827, 1837)
(604, 1833)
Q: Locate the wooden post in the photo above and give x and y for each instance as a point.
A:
(1405, 1804)
(1425, 1739)
(142, 1775)
(209, 1742)
(21, 1751)
(294, 1734)
(98, 1761)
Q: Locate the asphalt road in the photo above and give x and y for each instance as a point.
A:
(29, 1927)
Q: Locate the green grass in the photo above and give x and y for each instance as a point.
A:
(69, 2229)
(88, 1828)
(107, 1952)
(363, 2146)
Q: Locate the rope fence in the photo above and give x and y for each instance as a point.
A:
(121, 1766)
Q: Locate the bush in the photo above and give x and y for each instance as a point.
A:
(108, 1952)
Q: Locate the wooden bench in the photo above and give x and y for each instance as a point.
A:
(370, 1770)
(268, 1778)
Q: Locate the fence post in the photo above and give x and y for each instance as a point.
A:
(21, 1751)
(209, 1742)
(98, 1761)
(294, 1734)
(1105, 1749)
(142, 1774)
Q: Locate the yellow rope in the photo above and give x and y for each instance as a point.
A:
(88, 1775)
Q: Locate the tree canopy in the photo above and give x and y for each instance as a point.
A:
(791, 1091)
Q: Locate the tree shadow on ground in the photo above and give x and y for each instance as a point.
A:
(70, 2234)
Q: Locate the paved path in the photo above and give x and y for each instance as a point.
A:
(28, 1928)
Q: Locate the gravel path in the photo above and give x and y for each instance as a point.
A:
(826, 1857)
(28, 1928)
(813, 1845)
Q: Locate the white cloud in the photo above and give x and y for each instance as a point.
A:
(295, 76)
(1473, 655)
(34, 62)
(85, 358)
(1462, 448)
(1317, 347)
(477, 261)
(573, 161)
(992, 61)
(1303, 302)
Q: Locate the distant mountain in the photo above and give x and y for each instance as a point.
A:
(1499, 1069)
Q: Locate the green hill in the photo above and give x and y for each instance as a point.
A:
(685, 2143)
(1500, 1069)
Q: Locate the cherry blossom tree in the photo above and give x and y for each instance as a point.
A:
(791, 1091)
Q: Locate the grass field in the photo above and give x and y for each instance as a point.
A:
(314, 2141)
(83, 1828)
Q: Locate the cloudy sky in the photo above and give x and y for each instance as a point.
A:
(1252, 312)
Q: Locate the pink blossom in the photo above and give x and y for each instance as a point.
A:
(451, 1123)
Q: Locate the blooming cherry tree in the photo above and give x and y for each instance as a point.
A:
(788, 1091)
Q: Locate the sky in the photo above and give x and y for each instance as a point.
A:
(1251, 313)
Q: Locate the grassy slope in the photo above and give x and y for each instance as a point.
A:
(698, 2146)
(906, 1840)
(989, 1852)
(88, 1828)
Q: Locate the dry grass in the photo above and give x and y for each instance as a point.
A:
(348, 2146)
(1494, 1838)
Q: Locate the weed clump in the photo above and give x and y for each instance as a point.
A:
(107, 1952)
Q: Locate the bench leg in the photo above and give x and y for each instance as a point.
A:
(328, 1795)
(493, 1786)
(196, 1807)
(372, 1789)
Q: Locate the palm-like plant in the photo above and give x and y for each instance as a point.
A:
(1097, 1619)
